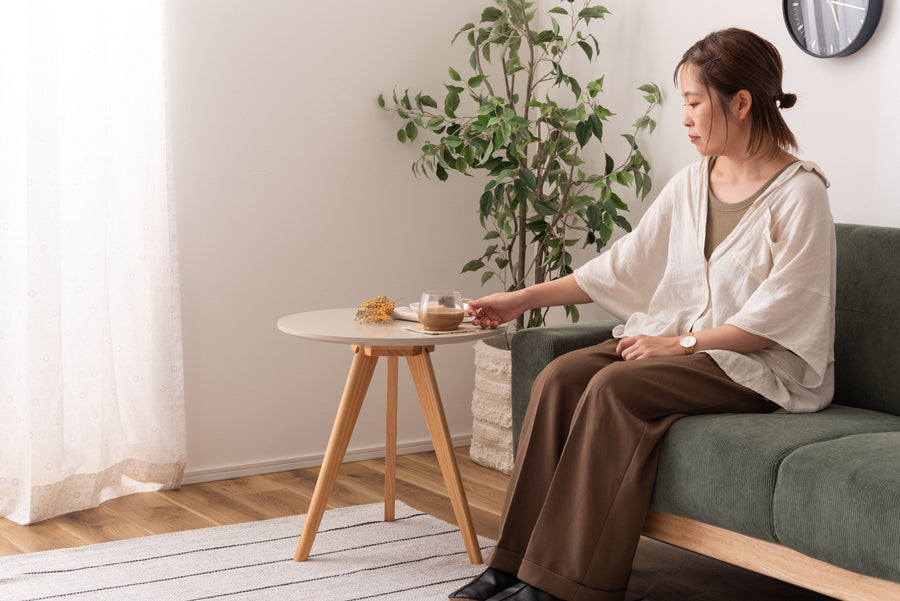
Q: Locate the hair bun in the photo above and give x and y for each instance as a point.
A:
(786, 101)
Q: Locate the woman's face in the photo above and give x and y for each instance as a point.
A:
(703, 115)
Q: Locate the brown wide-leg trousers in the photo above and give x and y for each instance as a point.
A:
(587, 460)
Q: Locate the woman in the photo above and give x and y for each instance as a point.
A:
(726, 290)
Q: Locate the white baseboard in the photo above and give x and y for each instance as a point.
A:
(296, 463)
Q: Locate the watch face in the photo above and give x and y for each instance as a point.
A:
(688, 341)
(830, 28)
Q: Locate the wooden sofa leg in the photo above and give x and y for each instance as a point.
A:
(771, 559)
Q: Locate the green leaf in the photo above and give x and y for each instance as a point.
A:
(381, 100)
(486, 276)
(473, 265)
(521, 189)
(486, 202)
(558, 10)
(498, 193)
(428, 101)
(401, 135)
(588, 51)
(576, 89)
(596, 127)
(610, 165)
(595, 217)
(653, 92)
(491, 235)
(543, 37)
(648, 184)
(464, 28)
(593, 12)
(476, 81)
(583, 132)
(454, 75)
(528, 178)
(622, 223)
(544, 209)
(411, 131)
(441, 173)
(536, 224)
(491, 14)
(451, 102)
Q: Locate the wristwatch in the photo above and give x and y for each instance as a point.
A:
(688, 342)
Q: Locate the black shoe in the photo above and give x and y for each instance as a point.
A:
(491, 582)
(523, 593)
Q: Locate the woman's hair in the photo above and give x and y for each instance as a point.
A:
(731, 60)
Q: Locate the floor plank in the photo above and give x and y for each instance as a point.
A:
(100, 525)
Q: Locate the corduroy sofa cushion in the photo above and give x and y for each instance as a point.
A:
(867, 318)
(837, 501)
(722, 469)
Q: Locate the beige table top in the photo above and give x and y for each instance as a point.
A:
(338, 325)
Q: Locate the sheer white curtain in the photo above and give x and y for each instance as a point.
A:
(91, 393)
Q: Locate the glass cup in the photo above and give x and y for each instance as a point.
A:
(441, 310)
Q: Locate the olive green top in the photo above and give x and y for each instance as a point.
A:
(722, 217)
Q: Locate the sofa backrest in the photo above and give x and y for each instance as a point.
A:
(867, 318)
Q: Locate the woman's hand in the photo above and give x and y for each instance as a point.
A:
(725, 337)
(496, 309)
(645, 347)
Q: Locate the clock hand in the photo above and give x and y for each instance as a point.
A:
(834, 14)
(833, 2)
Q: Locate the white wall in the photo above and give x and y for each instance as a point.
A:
(293, 193)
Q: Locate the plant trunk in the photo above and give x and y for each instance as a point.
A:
(521, 246)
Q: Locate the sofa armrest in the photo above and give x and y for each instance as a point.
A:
(534, 348)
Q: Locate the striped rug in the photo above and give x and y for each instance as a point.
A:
(355, 557)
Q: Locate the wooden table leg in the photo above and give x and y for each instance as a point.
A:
(354, 393)
(390, 441)
(426, 386)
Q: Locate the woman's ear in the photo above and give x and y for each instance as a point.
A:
(740, 104)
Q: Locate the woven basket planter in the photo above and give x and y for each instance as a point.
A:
(492, 444)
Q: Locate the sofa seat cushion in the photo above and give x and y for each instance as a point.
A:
(837, 501)
(721, 469)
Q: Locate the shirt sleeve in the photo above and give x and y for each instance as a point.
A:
(623, 279)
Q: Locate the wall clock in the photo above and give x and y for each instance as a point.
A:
(831, 28)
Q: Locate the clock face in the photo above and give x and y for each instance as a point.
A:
(830, 28)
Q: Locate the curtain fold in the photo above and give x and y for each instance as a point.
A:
(91, 383)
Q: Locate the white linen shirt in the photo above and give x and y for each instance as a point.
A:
(773, 275)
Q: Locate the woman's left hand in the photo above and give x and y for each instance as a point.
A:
(645, 347)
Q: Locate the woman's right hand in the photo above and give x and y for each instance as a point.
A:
(496, 309)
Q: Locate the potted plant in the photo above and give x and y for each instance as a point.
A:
(522, 121)
(526, 133)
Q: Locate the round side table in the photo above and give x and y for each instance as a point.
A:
(369, 342)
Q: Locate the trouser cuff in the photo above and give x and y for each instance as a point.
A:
(562, 587)
(503, 559)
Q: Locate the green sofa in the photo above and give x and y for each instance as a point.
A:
(813, 499)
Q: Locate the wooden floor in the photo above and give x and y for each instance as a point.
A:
(661, 572)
